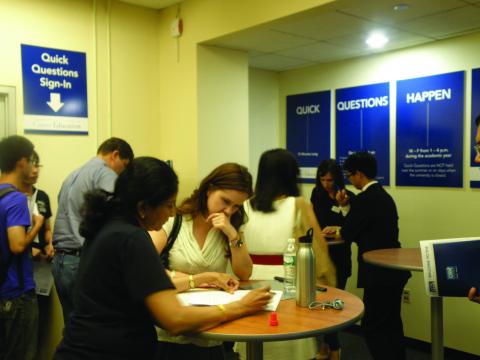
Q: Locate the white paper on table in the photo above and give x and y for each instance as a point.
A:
(42, 274)
(219, 297)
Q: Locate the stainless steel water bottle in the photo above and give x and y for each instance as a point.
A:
(305, 270)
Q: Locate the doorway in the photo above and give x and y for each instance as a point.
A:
(8, 125)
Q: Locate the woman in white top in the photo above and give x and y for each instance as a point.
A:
(208, 239)
(276, 213)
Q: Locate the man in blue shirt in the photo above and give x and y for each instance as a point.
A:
(100, 172)
(18, 302)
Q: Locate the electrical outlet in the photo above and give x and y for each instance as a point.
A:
(406, 296)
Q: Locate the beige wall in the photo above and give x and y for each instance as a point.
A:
(142, 84)
(264, 117)
(222, 108)
(203, 20)
(425, 213)
(122, 72)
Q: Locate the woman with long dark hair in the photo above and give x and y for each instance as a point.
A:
(122, 286)
(277, 212)
(329, 181)
(208, 240)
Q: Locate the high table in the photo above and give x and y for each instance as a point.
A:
(411, 259)
(294, 323)
(333, 240)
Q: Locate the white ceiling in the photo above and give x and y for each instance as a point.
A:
(339, 29)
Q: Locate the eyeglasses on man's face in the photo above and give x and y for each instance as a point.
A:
(34, 163)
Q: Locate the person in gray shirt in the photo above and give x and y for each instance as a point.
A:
(100, 172)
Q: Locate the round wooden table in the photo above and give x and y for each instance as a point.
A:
(411, 259)
(333, 240)
(294, 323)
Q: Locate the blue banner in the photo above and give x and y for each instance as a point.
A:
(474, 168)
(308, 131)
(430, 131)
(54, 90)
(363, 124)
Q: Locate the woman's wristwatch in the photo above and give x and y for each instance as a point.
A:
(237, 242)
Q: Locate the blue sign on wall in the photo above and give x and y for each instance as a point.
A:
(54, 90)
(430, 131)
(475, 168)
(363, 123)
(308, 131)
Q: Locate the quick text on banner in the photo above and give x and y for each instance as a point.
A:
(431, 95)
(362, 103)
(308, 109)
(46, 57)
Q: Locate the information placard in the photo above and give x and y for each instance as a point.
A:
(363, 124)
(308, 131)
(474, 168)
(54, 90)
(430, 131)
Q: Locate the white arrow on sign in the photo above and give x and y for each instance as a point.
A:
(55, 102)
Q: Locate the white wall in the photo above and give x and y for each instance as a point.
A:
(120, 42)
(263, 114)
(222, 108)
(425, 213)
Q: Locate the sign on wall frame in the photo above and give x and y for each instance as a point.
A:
(308, 131)
(430, 112)
(54, 91)
(363, 124)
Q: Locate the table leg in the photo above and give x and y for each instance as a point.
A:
(436, 308)
(254, 350)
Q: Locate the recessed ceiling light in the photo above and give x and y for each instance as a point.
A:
(401, 7)
(376, 40)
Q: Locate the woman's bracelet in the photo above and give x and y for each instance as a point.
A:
(191, 282)
(223, 310)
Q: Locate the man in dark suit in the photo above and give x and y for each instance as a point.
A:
(473, 293)
(372, 223)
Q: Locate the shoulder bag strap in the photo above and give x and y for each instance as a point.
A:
(4, 192)
(177, 224)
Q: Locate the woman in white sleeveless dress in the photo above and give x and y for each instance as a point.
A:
(276, 213)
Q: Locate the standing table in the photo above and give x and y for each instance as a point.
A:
(411, 259)
(294, 323)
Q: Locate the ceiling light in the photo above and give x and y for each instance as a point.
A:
(376, 40)
(401, 7)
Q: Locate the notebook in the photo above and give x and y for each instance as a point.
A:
(219, 297)
(451, 266)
